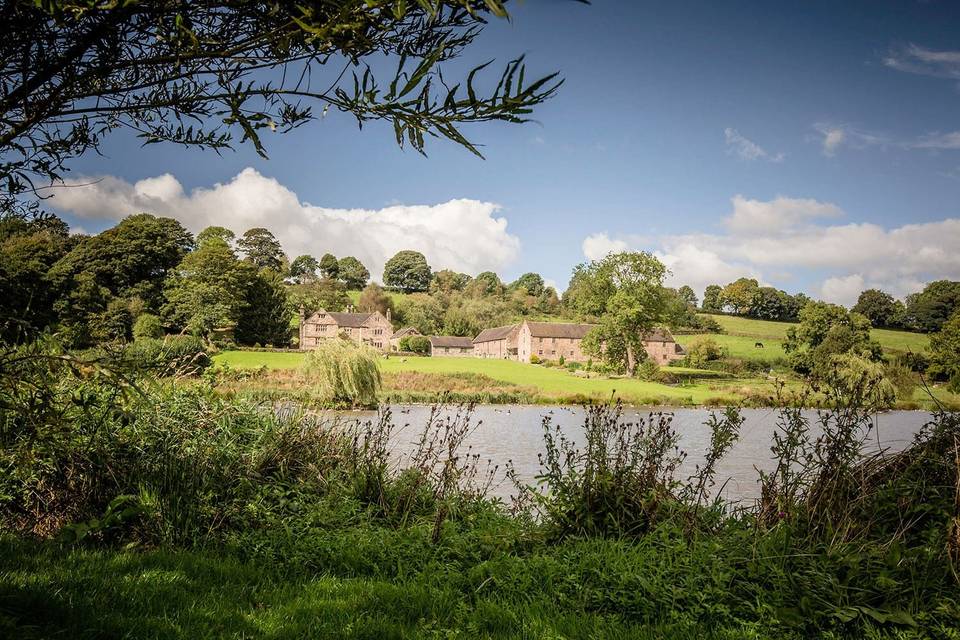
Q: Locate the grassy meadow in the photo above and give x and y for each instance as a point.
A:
(416, 379)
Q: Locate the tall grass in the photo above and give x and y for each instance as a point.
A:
(611, 541)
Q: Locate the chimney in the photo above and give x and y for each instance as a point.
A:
(388, 316)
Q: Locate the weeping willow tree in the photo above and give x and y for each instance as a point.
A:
(344, 373)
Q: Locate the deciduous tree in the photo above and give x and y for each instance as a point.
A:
(352, 273)
(261, 248)
(407, 271)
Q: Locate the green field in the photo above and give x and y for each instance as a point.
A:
(773, 333)
(549, 381)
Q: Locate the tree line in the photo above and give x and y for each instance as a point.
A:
(925, 311)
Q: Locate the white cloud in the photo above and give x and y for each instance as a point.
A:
(758, 217)
(748, 149)
(920, 60)
(596, 246)
(462, 234)
(769, 238)
(835, 136)
(843, 290)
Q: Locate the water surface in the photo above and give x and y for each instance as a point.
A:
(515, 432)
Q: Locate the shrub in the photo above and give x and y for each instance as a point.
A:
(535, 359)
(344, 373)
(147, 326)
(648, 370)
(415, 344)
(170, 356)
(703, 350)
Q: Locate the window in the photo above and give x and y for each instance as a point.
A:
(553, 352)
(540, 352)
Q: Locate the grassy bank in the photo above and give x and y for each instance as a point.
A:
(177, 512)
(427, 380)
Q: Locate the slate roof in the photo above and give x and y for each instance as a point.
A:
(350, 319)
(659, 335)
(457, 342)
(406, 331)
(559, 329)
(495, 333)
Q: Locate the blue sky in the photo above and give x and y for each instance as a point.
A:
(815, 146)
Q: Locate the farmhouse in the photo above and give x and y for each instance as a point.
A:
(551, 340)
(406, 332)
(373, 329)
(498, 342)
(451, 346)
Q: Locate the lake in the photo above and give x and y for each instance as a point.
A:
(515, 432)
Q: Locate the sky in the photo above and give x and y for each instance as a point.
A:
(814, 146)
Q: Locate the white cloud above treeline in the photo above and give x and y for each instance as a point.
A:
(772, 240)
(465, 235)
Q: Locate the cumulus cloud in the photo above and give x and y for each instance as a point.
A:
(791, 235)
(759, 217)
(748, 149)
(598, 245)
(442, 232)
(913, 58)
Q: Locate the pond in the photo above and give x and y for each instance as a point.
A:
(515, 432)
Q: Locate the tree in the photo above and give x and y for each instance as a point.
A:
(826, 330)
(711, 298)
(147, 325)
(344, 372)
(626, 291)
(930, 309)
(304, 268)
(532, 282)
(486, 283)
(770, 304)
(323, 294)
(216, 233)
(457, 321)
(262, 249)
(265, 318)
(687, 294)
(329, 267)
(422, 312)
(28, 250)
(129, 260)
(352, 272)
(228, 67)
(879, 307)
(374, 298)
(207, 290)
(407, 271)
(945, 352)
(739, 295)
(447, 281)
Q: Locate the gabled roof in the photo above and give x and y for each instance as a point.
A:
(659, 334)
(496, 333)
(559, 329)
(350, 319)
(457, 342)
(406, 331)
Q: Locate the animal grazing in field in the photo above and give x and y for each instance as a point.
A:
(758, 345)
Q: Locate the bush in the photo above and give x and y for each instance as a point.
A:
(703, 350)
(415, 344)
(170, 356)
(647, 370)
(344, 373)
(147, 326)
(535, 359)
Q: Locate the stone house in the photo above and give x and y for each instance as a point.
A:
(401, 334)
(372, 329)
(551, 340)
(455, 346)
(661, 347)
(498, 342)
